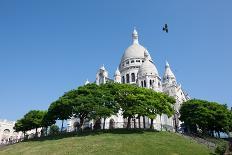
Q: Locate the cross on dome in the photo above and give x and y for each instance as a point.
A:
(135, 36)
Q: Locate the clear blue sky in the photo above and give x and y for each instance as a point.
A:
(50, 47)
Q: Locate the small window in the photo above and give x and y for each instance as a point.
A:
(127, 78)
(142, 83)
(142, 60)
(150, 83)
(145, 85)
(132, 77)
(127, 62)
(132, 61)
(137, 60)
(123, 79)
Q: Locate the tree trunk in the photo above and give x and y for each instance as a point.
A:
(212, 133)
(161, 126)
(81, 123)
(62, 126)
(104, 123)
(134, 123)
(151, 126)
(129, 122)
(36, 132)
(144, 125)
(139, 122)
(24, 134)
(218, 134)
(46, 130)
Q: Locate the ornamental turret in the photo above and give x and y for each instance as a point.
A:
(169, 77)
(102, 76)
(117, 76)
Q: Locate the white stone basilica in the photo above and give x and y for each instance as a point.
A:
(137, 67)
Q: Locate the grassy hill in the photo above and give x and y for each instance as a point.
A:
(117, 142)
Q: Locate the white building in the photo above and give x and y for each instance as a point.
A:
(137, 67)
(7, 132)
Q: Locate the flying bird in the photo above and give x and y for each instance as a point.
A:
(165, 28)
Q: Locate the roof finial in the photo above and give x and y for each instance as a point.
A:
(102, 67)
(167, 64)
(135, 36)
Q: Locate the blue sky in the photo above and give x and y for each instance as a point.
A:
(50, 47)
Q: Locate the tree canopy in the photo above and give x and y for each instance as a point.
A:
(208, 116)
(97, 102)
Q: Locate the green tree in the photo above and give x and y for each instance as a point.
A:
(84, 101)
(54, 130)
(33, 119)
(165, 106)
(22, 126)
(107, 106)
(60, 110)
(126, 96)
(208, 116)
(47, 121)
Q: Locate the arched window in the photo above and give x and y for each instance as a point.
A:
(145, 85)
(132, 77)
(127, 78)
(150, 83)
(123, 79)
(6, 131)
(142, 83)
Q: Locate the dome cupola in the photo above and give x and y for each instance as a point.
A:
(147, 68)
(134, 53)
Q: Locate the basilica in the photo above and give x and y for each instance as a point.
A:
(137, 67)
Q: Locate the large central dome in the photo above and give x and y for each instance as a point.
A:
(135, 51)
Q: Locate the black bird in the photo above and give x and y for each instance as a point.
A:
(165, 28)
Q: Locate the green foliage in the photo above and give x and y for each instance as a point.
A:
(61, 110)
(208, 116)
(32, 120)
(47, 120)
(54, 130)
(83, 101)
(21, 125)
(93, 101)
(134, 100)
(220, 150)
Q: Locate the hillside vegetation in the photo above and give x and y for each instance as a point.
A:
(117, 142)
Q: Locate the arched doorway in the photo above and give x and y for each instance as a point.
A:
(97, 124)
(112, 124)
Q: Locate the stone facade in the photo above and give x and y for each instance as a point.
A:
(7, 132)
(137, 67)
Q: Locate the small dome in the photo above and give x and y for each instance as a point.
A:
(147, 68)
